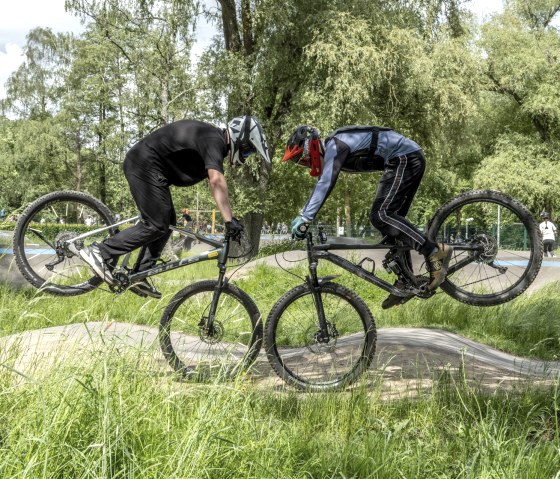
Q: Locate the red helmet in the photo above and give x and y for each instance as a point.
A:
(305, 148)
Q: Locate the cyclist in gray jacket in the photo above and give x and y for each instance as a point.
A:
(362, 149)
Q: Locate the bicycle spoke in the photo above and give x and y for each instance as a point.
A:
(41, 246)
(505, 240)
(309, 360)
(194, 348)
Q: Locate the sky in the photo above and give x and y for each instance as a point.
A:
(20, 16)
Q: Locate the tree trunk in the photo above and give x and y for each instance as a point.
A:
(102, 182)
(79, 165)
(247, 23)
(230, 26)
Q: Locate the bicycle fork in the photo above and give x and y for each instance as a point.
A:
(324, 333)
(206, 323)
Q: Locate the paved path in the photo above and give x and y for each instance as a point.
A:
(407, 359)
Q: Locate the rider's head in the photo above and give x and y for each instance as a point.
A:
(545, 215)
(246, 137)
(305, 148)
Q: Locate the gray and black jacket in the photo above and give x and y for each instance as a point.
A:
(355, 149)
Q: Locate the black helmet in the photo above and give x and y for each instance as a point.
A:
(305, 148)
(545, 215)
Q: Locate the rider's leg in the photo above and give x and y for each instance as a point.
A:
(150, 190)
(397, 188)
(154, 249)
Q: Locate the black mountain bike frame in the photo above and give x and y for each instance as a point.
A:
(395, 262)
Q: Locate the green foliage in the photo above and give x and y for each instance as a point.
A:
(106, 414)
(524, 168)
(110, 416)
(483, 105)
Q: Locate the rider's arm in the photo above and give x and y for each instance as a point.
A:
(336, 153)
(219, 190)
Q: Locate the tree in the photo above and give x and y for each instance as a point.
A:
(522, 63)
(34, 90)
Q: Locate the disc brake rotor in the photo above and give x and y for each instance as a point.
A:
(314, 345)
(215, 337)
(490, 248)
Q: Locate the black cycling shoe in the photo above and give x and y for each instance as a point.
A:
(143, 289)
(394, 300)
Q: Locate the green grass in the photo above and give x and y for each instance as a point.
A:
(108, 415)
(527, 326)
(113, 418)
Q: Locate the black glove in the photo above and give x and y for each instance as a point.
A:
(234, 228)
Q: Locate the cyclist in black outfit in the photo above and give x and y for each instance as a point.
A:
(182, 153)
(361, 149)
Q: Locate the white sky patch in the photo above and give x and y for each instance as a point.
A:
(18, 17)
(485, 8)
(10, 60)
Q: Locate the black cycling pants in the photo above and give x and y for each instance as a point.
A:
(548, 247)
(397, 187)
(150, 190)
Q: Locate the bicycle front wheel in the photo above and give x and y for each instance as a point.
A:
(508, 246)
(296, 351)
(233, 342)
(39, 243)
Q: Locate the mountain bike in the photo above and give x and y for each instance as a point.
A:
(321, 335)
(208, 327)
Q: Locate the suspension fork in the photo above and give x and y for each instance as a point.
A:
(208, 322)
(313, 282)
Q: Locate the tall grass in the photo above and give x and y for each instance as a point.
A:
(114, 418)
(111, 414)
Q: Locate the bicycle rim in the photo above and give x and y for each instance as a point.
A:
(303, 360)
(193, 350)
(508, 244)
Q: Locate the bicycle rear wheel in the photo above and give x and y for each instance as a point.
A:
(192, 350)
(39, 241)
(509, 245)
(304, 362)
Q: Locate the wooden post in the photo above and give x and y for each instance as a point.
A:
(213, 221)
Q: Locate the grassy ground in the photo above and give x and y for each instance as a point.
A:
(111, 417)
(527, 326)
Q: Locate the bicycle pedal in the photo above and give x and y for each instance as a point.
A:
(392, 267)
